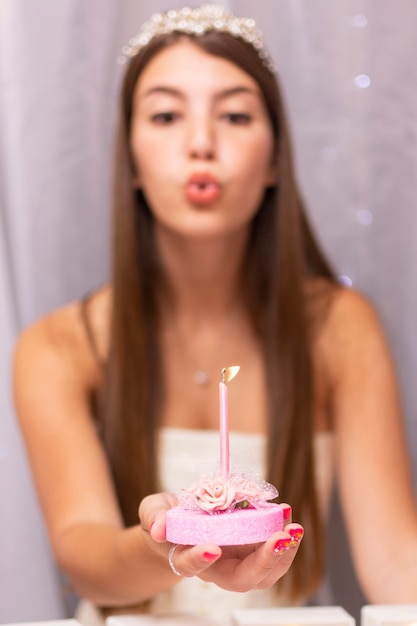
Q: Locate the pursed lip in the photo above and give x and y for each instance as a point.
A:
(202, 188)
(202, 178)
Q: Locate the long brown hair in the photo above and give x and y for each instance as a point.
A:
(281, 256)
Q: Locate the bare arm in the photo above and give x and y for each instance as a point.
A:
(53, 376)
(373, 467)
(108, 564)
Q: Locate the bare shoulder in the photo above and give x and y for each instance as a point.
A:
(352, 336)
(58, 342)
(350, 316)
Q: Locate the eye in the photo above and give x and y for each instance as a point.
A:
(240, 119)
(164, 117)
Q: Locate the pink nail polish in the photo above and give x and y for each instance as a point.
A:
(296, 535)
(208, 556)
(286, 510)
(281, 545)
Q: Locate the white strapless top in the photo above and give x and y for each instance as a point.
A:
(184, 454)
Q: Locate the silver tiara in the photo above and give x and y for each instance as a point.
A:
(197, 21)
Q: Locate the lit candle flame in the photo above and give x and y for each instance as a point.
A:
(228, 373)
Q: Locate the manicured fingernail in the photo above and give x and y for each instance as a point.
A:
(208, 556)
(296, 535)
(282, 545)
(286, 510)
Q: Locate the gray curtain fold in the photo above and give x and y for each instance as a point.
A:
(348, 72)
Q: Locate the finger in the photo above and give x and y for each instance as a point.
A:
(287, 512)
(296, 532)
(285, 548)
(274, 558)
(193, 560)
(262, 567)
(152, 510)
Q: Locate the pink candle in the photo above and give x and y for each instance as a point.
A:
(227, 374)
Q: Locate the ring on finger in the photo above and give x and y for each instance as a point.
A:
(170, 559)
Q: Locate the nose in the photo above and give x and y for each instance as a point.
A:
(201, 140)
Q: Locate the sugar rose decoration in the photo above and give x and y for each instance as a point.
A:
(217, 494)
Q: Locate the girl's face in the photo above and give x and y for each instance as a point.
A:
(201, 141)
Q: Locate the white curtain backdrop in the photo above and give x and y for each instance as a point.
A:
(348, 70)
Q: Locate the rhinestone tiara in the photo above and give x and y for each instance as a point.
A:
(197, 21)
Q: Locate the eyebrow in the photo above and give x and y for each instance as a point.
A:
(220, 95)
